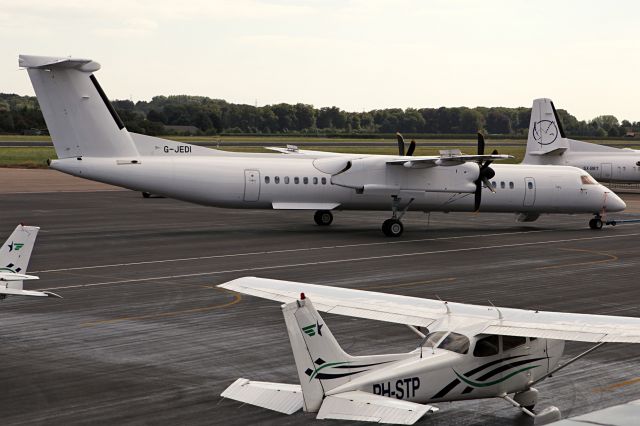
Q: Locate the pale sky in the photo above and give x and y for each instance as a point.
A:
(354, 54)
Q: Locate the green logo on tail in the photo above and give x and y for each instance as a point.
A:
(15, 246)
(310, 330)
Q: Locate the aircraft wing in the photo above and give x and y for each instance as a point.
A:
(367, 407)
(292, 149)
(444, 160)
(423, 312)
(20, 292)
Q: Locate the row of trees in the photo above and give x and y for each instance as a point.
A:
(215, 116)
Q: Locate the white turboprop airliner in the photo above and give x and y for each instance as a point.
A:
(92, 142)
(468, 352)
(14, 259)
(547, 144)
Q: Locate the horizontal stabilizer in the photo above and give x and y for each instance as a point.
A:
(280, 397)
(556, 151)
(367, 407)
(20, 292)
(48, 62)
(304, 206)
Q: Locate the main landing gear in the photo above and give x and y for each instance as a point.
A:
(596, 222)
(323, 217)
(393, 227)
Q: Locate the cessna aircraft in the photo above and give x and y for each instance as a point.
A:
(547, 144)
(92, 142)
(14, 258)
(467, 352)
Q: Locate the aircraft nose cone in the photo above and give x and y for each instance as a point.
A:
(614, 203)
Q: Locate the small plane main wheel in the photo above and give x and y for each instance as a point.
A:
(323, 217)
(595, 223)
(392, 228)
(146, 194)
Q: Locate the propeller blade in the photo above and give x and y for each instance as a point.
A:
(480, 144)
(400, 144)
(477, 196)
(412, 148)
(487, 183)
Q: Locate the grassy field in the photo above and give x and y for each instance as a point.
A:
(36, 157)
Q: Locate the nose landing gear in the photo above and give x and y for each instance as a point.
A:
(596, 222)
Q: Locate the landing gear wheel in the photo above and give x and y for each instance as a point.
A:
(392, 228)
(595, 223)
(323, 217)
(146, 194)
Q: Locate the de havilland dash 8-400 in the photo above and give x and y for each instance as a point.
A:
(92, 142)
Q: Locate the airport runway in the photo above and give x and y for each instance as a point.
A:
(143, 336)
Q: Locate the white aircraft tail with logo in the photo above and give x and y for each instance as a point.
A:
(14, 260)
(546, 136)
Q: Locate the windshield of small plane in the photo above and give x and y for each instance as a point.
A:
(455, 342)
(588, 180)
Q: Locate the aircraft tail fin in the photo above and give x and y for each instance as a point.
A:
(79, 116)
(321, 363)
(16, 251)
(546, 134)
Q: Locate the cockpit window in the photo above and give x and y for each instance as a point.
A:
(455, 342)
(487, 346)
(432, 339)
(588, 180)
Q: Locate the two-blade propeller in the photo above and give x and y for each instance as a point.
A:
(412, 146)
(485, 174)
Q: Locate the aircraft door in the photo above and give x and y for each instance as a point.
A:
(251, 185)
(605, 171)
(529, 192)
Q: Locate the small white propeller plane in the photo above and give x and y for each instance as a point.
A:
(466, 352)
(14, 259)
(547, 144)
(91, 142)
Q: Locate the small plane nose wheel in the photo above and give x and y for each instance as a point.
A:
(596, 223)
(392, 227)
(323, 217)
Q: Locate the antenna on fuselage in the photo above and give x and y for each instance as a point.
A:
(500, 317)
(446, 305)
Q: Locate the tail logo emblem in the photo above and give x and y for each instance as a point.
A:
(545, 132)
(15, 246)
(311, 330)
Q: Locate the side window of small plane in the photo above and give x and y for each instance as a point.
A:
(511, 185)
(276, 179)
(433, 338)
(530, 185)
(267, 179)
(315, 180)
(455, 342)
(296, 180)
(324, 181)
(305, 180)
(487, 346)
(286, 180)
(510, 342)
(502, 185)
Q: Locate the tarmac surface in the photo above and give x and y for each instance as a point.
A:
(143, 336)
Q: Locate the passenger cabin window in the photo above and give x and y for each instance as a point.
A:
(305, 180)
(487, 346)
(511, 342)
(502, 185)
(315, 180)
(324, 181)
(267, 179)
(296, 180)
(276, 179)
(455, 342)
(286, 180)
(495, 184)
(588, 180)
(432, 339)
(530, 185)
(511, 185)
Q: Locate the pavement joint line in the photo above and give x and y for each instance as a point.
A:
(610, 258)
(266, 252)
(358, 259)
